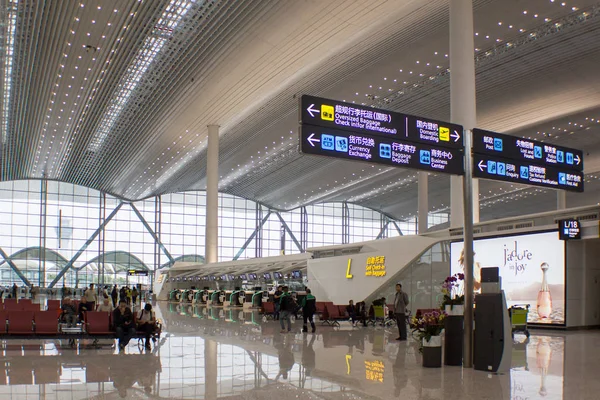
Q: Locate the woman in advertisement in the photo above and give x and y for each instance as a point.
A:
(476, 271)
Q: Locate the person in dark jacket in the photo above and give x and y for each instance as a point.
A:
(309, 307)
(115, 296)
(351, 310)
(361, 312)
(123, 320)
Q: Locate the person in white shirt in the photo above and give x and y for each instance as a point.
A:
(105, 306)
(147, 322)
(91, 297)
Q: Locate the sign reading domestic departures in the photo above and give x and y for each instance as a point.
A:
(359, 119)
(342, 130)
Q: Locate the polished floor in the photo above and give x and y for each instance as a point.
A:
(221, 354)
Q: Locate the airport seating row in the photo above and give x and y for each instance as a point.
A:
(43, 324)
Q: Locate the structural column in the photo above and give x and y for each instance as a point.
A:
(211, 369)
(462, 96)
(212, 195)
(423, 200)
(561, 199)
(463, 111)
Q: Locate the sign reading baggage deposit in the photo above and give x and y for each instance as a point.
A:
(372, 121)
(533, 151)
(380, 150)
(503, 169)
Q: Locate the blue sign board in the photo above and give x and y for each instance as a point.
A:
(380, 150)
(529, 173)
(569, 229)
(519, 149)
(360, 119)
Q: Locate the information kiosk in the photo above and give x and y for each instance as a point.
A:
(493, 342)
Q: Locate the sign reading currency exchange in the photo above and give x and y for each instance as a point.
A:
(375, 149)
(359, 119)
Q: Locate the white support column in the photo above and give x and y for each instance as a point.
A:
(211, 369)
(423, 202)
(212, 195)
(462, 95)
(561, 199)
(463, 111)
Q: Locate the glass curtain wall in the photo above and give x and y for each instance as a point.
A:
(421, 280)
(46, 226)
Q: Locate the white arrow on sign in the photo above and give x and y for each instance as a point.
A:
(312, 110)
(455, 136)
(482, 165)
(311, 139)
(577, 159)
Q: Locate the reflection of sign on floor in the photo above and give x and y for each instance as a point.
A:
(374, 370)
(375, 266)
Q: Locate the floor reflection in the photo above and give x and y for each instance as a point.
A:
(213, 353)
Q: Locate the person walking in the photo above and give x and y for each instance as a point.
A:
(123, 294)
(309, 307)
(286, 308)
(400, 303)
(114, 295)
(91, 297)
(134, 295)
(277, 301)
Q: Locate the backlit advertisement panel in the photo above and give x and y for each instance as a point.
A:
(532, 268)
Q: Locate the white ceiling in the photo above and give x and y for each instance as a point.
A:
(81, 106)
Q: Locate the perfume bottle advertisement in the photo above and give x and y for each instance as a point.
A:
(538, 367)
(532, 268)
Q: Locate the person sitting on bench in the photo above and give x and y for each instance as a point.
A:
(69, 314)
(84, 306)
(123, 319)
(147, 323)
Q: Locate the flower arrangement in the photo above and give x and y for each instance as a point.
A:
(453, 290)
(427, 325)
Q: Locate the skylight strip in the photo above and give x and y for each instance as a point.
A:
(11, 27)
(168, 22)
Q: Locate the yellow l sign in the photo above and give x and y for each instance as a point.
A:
(348, 274)
(348, 358)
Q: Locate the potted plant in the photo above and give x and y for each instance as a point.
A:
(454, 294)
(428, 328)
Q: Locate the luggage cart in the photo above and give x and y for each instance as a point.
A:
(518, 318)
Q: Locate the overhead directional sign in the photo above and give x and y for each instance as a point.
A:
(372, 121)
(380, 150)
(504, 169)
(515, 148)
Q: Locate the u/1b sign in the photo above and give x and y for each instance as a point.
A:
(569, 229)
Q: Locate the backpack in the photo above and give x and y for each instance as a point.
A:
(288, 303)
